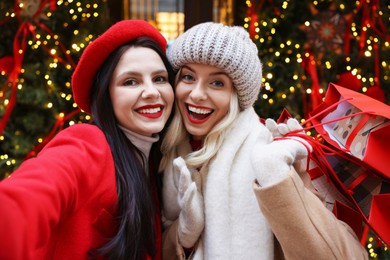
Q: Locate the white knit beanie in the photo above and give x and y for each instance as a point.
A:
(227, 47)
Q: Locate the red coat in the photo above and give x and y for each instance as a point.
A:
(60, 204)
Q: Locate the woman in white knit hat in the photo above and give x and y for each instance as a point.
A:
(230, 191)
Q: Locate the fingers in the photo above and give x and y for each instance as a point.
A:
(282, 129)
(302, 141)
(179, 163)
(188, 197)
(297, 147)
(272, 126)
(293, 124)
(191, 218)
(184, 180)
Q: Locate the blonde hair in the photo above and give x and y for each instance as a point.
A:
(177, 134)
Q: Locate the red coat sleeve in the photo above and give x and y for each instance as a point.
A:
(47, 189)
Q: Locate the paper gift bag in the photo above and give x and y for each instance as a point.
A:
(343, 130)
(363, 192)
(357, 124)
(353, 189)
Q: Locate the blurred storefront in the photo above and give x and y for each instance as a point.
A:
(173, 17)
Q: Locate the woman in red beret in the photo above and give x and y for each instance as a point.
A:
(92, 192)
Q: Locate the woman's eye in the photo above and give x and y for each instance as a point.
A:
(129, 82)
(187, 77)
(160, 79)
(217, 83)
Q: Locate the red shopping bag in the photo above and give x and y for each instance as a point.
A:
(352, 150)
(364, 191)
(364, 131)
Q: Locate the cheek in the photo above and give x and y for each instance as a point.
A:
(223, 101)
(180, 92)
(168, 96)
(123, 99)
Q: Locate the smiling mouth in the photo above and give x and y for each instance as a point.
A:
(151, 112)
(197, 114)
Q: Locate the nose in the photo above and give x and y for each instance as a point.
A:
(150, 91)
(198, 93)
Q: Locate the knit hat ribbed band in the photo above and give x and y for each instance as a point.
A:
(227, 47)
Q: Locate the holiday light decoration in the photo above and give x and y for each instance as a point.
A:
(42, 40)
(340, 37)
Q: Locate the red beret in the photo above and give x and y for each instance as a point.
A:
(98, 51)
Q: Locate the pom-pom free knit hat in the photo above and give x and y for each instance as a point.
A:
(227, 47)
(98, 51)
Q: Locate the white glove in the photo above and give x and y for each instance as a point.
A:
(279, 130)
(191, 218)
(273, 161)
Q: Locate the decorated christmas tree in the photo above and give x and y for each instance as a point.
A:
(40, 43)
(305, 45)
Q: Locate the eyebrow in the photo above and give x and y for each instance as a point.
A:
(221, 72)
(137, 74)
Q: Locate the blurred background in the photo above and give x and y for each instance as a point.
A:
(303, 45)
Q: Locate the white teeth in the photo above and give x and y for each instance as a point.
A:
(150, 110)
(199, 110)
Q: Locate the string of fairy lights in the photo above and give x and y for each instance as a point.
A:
(51, 42)
(265, 30)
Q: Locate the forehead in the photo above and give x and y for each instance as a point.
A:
(204, 68)
(139, 59)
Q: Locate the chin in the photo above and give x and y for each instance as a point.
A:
(154, 129)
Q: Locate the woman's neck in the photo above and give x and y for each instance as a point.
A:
(142, 142)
